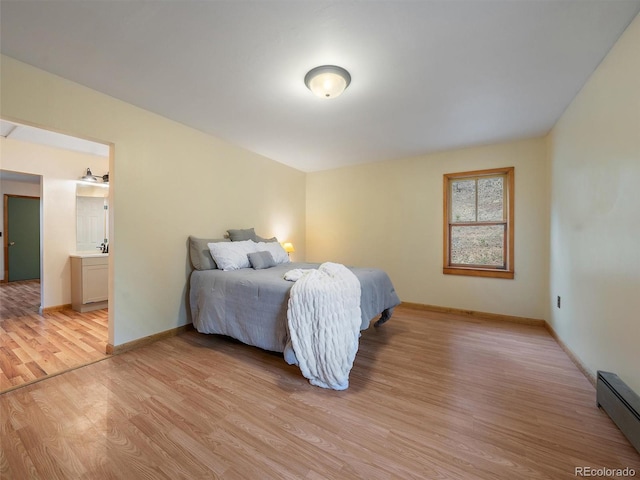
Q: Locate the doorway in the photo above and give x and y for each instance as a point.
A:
(39, 163)
(22, 238)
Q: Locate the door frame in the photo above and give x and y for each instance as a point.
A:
(5, 229)
(111, 211)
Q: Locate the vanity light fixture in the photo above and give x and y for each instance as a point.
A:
(89, 177)
(327, 81)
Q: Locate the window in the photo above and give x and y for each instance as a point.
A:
(478, 223)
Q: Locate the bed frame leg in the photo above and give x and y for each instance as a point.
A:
(386, 315)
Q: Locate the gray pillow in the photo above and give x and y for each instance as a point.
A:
(200, 254)
(239, 235)
(260, 239)
(260, 260)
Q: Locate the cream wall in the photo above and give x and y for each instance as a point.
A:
(389, 215)
(595, 216)
(167, 181)
(10, 187)
(14, 187)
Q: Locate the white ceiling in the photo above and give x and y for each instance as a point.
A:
(426, 75)
(6, 175)
(30, 134)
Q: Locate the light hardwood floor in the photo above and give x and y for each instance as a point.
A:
(432, 396)
(18, 299)
(34, 346)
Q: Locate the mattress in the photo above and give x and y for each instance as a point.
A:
(251, 305)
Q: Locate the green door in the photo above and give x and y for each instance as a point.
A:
(23, 234)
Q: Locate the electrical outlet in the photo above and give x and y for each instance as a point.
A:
(558, 302)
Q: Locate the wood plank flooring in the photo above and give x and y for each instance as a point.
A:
(18, 299)
(431, 396)
(33, 346)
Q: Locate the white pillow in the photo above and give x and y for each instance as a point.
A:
(232, 255)
(276, 251)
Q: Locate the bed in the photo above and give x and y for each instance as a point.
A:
(250, 304)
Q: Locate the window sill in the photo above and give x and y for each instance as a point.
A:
(478, 272)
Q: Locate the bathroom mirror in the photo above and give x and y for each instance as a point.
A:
(92, 216)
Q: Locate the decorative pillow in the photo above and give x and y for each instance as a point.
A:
(199, 253)
(276, 251)
(232, 255)
(239, 235)
(259, 239)
(260, 260)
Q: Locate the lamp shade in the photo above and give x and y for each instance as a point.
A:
(327, 81)
(288, 247)
(89, 177)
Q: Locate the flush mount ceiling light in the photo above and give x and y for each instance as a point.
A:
(327, 81)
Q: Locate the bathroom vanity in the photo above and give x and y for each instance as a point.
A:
(89, 281)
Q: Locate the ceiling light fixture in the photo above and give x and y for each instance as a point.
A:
(327, 81)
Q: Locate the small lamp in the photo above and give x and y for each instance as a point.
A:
(288, 247)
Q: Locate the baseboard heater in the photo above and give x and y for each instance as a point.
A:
(621, 404)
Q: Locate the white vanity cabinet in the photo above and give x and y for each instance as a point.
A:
(89, 281)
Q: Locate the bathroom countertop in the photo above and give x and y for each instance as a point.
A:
(88, 255)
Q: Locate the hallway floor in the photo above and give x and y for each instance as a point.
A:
(34, 346)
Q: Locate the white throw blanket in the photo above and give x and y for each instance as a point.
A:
(324, 323)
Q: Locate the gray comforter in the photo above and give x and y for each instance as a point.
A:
(251, 305)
